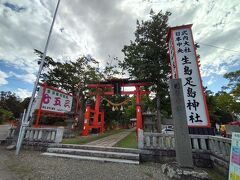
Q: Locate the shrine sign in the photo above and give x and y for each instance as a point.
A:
(54, 100)
(184, 65)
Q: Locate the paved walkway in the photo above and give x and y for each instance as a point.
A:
(111, 140)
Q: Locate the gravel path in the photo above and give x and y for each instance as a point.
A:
(111, 140)
(32, 165)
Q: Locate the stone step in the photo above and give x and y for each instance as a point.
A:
(91, 158)
(96, 148)
(95, 153)
(4, 134)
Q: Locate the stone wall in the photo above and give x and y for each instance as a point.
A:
(38, 136)
(208, 151)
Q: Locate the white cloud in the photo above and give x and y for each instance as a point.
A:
(211, 81)
(22, 93)
(103, 28)
(3, 77)
(29, 78)
(214, 23)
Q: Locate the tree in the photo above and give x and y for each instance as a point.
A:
(25, 102)
(212, 107)
(122, 116)
(222, 107)
(227, 102)
(217, 114)
(10, 102)
(5, 115)
(147, 59)
(114, 116)
(234, 83)
(110, 71)
(72, 76)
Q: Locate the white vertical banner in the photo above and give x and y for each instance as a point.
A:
(184, 65)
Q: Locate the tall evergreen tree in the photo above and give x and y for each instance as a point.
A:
(146, 57)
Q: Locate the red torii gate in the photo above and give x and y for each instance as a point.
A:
(109, 88)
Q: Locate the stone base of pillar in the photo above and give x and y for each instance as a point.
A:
(68, 131)
(174, 171)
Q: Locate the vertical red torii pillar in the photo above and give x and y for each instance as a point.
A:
(96, 112)
(86, 119)
(138, 108)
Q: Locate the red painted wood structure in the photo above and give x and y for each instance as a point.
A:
(109, 88)
(40, 112)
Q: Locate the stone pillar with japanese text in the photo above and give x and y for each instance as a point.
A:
(184, 65)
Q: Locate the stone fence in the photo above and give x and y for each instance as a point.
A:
(207, 150)
(39, 135)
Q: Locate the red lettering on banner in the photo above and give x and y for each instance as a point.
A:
(66, 104)
(46, 98)
(57, 101)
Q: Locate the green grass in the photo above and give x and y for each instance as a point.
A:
(128, 142)
(90, 138)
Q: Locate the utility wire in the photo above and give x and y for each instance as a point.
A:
(226, 49)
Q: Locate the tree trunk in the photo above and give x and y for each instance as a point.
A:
(159, 128)
(81, 111)
(81, 117)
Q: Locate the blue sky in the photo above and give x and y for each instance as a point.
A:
(102, 28)
(13, 82)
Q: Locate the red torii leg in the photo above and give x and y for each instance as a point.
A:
(138, 108)
(86, 121)
(96, 112)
